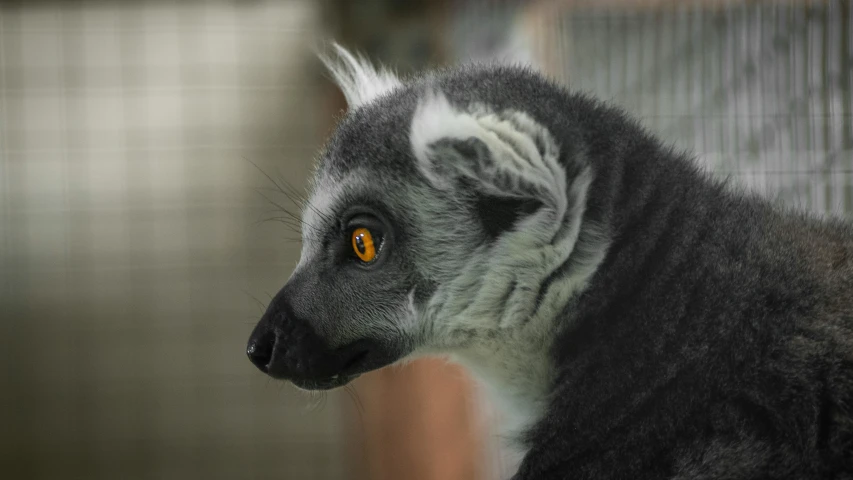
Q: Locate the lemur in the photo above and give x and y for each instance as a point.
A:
(632, 315)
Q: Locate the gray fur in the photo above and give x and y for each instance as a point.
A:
(633, 316)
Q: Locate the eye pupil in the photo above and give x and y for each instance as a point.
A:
(362, 244)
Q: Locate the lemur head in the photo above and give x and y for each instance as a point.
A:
(442, 210)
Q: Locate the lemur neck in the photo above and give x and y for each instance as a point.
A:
(516, 370)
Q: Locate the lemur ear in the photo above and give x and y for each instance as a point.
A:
(507, 162)
(502, 154)
(357, 78)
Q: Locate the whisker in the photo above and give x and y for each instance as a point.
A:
(261, 304)
(269, 177)
(283, 220)
(353, 394)
(317, 401)
(283, 209)
(359, 408)
(278, 208)
(292, 194)
(286, 188)
(302, 199)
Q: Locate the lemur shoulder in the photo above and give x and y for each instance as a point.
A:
(633, 315)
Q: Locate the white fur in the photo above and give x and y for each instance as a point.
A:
(357, 78)
(492, 295)
(326, 193)
(525, 255)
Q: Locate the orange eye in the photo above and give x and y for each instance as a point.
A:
(362, 244)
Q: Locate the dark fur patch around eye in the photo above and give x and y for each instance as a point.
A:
(499, 214)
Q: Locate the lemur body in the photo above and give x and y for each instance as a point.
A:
(633, 316)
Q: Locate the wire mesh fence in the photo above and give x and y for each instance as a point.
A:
(130, 255)
(760, 91)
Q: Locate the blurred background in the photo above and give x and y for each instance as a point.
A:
(137, 250)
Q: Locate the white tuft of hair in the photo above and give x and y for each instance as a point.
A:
(357, 78)
(436, 119)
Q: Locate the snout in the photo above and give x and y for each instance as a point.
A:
(286, 347)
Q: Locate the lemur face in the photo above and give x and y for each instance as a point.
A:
(345, 310)
(431, 225)
(348, 306)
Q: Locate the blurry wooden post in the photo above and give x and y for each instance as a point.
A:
(420, 421)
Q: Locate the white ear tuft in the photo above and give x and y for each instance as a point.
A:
(506, 153)
(357, 78)
(436, 119)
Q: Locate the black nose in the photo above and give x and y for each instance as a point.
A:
(261, 346)
(285, 346)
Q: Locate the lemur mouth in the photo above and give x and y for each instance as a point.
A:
(320, 384)
(334, 381)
